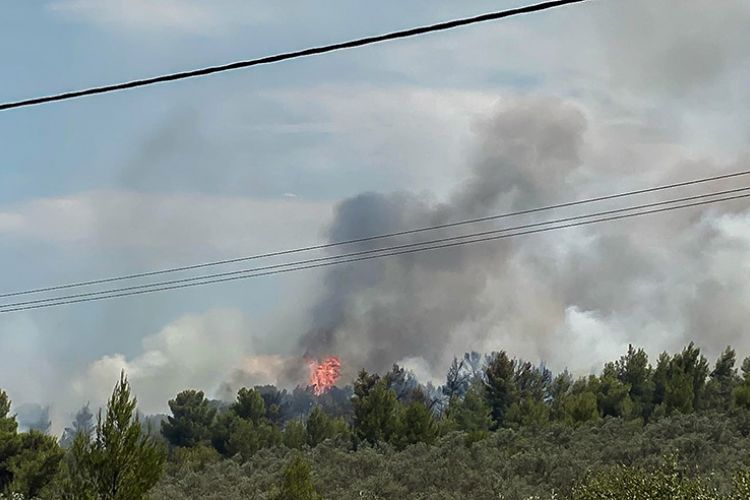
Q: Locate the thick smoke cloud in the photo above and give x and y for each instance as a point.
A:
(656, 85)
(658, 281)
(32, 416)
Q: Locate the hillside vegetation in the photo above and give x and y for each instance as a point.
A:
(497, 428)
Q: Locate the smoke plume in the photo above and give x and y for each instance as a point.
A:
(659, 281)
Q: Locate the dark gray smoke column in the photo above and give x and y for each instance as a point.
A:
(375, 313)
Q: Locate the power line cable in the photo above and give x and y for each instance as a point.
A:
(407, 33)
(377, 237)
(376, 250)
(7, 308)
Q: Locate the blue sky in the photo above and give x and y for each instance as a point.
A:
(108, 143)
(258, 159)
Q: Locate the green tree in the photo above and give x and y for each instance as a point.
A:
(741, 396)
(580, 407)
(416, 425)
(612, 395)
(686, 380)
(660, 378)
(375, 409)
(36, 464)
(245, 438)
(191, 420)
(274, 403)
(532, 382)
(296, 481)
(559, 391)
(456, 381)
(634, 370)
(122, 462)
(679, 395)
(679, 381)
(746, 369)
(741, 393)
(402, 382)
(250, 406)
(10, 443)
(722, 381)
(500, 387)
(221, 430)
(28, 461)
(470, 414)
(78, 481)
(319, 427)
(244, 429)
(295, 435)
(528, 412)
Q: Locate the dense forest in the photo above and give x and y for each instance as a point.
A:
(498, 427)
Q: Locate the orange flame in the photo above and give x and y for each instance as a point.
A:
(324, 374)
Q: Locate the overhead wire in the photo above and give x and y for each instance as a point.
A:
(363, 255)
(324, 246)
(407, 33)
(599, 217)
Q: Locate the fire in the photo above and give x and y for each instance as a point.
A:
(324, 374)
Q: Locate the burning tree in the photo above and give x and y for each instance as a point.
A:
(324, 374)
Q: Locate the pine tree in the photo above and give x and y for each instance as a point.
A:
(612, 395)
(581, 405)
(245, 428)
(533, 385)
(722, 381)
(470, 414)
(245, 439)
(500, 386)
(375, 409)
(10, 443)
(29, 461)
(532, 382)
(528, 412)
(319, 427)
(191, 420)
(741, 393)
(273, 400)
(456, 381)
(634, 370)
(295, 436)
(680, 381)
(688, 373)
(250, 406)
(416, 425)
(36, 464)
(660, 378)
(473, 366)
(559, 391)
(78, 481)
(122, 462)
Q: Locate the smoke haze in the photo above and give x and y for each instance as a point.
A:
(582, 102)
(540, 296)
